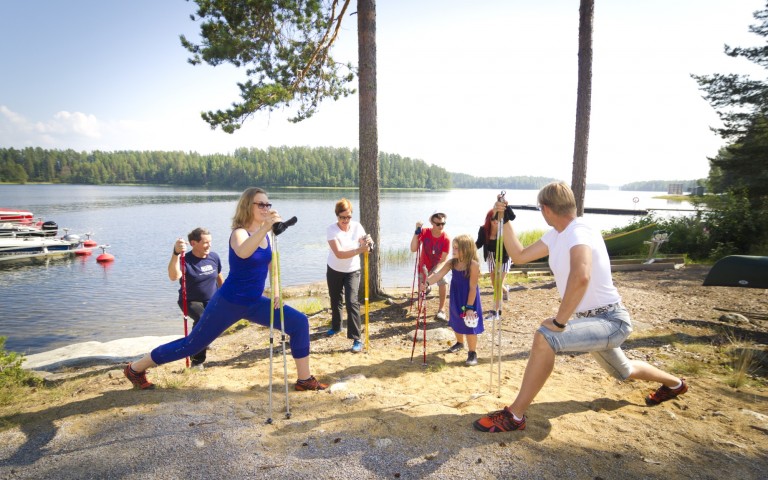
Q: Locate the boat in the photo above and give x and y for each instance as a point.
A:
(631, 242)
(739, 271)
(36, 247)
(17, 230)
(12, 215)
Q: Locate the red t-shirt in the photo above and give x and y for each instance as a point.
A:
(432, 248)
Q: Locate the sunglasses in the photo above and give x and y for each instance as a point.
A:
(344, 217)
(263, 205)
(439, 224)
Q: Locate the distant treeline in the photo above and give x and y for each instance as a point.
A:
(274, 167)
(462, 180)
(662, 185)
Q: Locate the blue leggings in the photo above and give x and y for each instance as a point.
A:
(221, 314)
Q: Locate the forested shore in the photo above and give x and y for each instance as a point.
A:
(273, 167)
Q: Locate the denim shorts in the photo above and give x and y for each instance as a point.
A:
(601, 335)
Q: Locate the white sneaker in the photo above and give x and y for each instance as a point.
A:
(440, 315)
(491, 315)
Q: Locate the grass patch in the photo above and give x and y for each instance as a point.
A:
(687, 366)
(529, 237)
(239, 325)
(396, 257)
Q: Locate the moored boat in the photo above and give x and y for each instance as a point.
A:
(46, 229)
(35, 247)
(13, 215)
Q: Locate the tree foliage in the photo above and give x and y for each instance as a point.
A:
(276, 166)
(741, 103)
(284, 46)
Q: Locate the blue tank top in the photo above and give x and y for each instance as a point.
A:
(247, 276)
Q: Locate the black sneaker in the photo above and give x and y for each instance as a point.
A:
(471, 359)
(458, 346)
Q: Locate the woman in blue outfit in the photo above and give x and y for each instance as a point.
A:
(466, 312)
(241, 296)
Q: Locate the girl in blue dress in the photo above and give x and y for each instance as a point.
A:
(466, 313)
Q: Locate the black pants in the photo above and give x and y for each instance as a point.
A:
(195, 311)
(349, 284)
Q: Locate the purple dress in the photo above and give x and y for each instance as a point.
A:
(459, 294)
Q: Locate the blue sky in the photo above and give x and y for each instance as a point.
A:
(486, 90)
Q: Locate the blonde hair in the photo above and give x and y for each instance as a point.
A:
(343, 205)
(465, 251)
(244, 211)
(558, 197)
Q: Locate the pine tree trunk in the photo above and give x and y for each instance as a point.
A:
(369, 137)
(583, 104)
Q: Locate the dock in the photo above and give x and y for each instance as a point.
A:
(604, 211)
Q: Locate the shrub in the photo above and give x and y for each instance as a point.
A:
(11, 373)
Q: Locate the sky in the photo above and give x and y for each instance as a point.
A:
(486, 88)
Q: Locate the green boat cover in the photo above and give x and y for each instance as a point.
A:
(739, 271)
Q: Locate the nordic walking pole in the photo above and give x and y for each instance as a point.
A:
(422, 308)
(271, 328)
(497, 291)
(365, 262)
(282, 326)
(426, 275)
(415, 273)
(277, 229)
(184, 294)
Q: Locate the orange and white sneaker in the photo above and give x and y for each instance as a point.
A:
(139, 380)
(310, 384)
(499, 421)
(664, 393)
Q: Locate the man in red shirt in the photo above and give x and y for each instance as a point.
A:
(435, 245)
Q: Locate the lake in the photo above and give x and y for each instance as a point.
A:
(55, 303)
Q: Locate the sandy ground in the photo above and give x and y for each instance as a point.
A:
(389, 417)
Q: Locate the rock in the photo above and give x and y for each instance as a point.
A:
(734, 318)
(383, 442)
(94, 353)
(760, 416)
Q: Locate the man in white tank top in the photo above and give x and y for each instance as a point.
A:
(590, 318)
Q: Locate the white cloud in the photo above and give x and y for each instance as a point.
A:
(64, 128)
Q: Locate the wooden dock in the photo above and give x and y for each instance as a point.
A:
(604, 211)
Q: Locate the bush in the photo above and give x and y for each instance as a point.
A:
(11, 373)
(731, 226)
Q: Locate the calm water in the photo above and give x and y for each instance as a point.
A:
(60, 302)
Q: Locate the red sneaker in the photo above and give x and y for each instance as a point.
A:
(664, 393)
(139, 380)
(499, 421)
(310, 384)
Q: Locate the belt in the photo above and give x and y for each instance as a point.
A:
(599, 310)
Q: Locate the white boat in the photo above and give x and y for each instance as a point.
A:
(15, 230)
(35, 247)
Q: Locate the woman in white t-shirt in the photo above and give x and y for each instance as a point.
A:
(347, 240)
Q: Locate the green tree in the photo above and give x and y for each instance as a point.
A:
(742, 105)
(284, 46)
